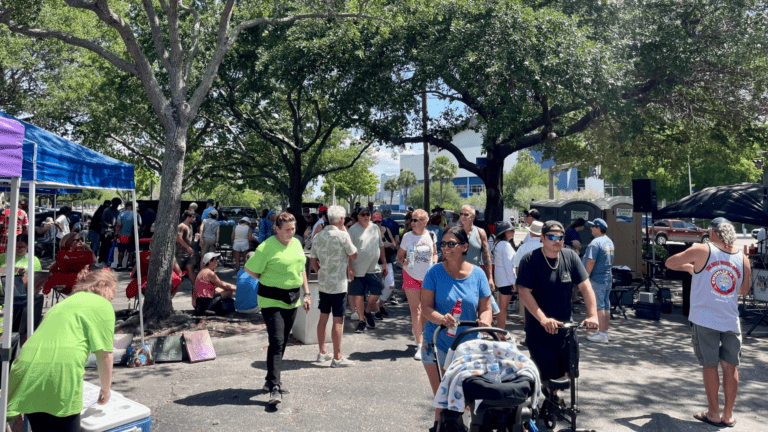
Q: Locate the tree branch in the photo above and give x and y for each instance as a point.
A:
(157, 35)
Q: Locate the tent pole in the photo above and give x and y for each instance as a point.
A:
(10, 263)
(31, 263)
(138, 264)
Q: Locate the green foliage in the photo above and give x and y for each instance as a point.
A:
(391, 186)
(451, 198)
(524, 196)
(352, 183)
(477, 200)
(525, 174)
(442, 169)
(407, 179)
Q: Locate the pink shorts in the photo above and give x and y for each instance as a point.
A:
(411, 283)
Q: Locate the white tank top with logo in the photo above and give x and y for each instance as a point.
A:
(715, 291)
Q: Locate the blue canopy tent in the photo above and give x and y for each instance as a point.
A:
(50, 161)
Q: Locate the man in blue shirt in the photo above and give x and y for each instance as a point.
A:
(598, 260)
(208, 208)
(126, 241)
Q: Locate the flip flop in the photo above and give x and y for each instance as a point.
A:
(702, 417)
(729, 424)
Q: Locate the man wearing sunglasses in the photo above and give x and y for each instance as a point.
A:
(365, 272)
(544, 284)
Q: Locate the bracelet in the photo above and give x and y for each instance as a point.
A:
(307, 294)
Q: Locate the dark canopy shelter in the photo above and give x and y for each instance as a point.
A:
(737, 203)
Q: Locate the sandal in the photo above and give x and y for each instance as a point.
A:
(702, 417)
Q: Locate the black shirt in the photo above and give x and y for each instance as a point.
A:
(550, 288)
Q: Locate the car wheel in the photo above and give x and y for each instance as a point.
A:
(705, 239)
(661, 239)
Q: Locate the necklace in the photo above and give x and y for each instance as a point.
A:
(557, 261)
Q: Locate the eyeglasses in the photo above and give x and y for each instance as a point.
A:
(364, 215)
(420, 220)
(555, 238)
(79, 240)
(465, 214)
(449, 244)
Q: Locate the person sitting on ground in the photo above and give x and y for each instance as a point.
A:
(52, 397)
(242, 236)
(208, 286)
(443, 285)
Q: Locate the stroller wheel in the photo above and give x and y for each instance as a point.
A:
(549, 417)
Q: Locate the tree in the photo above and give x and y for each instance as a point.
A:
(407, 179)
(528, 74)
(524, 174)
(443, 169)
(391, 186)
(189, 42)
(352, 183)
(451, 198)
(524, 196)
(478, 201)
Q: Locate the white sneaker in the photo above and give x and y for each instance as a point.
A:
(417, 356)
(342, 363)
(601, 338)
(608, 335)
(354, 317)
(324, 357)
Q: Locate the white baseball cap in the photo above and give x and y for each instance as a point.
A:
(209, 256)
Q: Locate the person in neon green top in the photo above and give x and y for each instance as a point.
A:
(22, 262)
(278, 264)
(46, 381)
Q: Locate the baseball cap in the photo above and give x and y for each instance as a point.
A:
(245, 219)
(551, 225)
(210, 201)
(598, 223)
(209, 256)
(536, 227)
(213, 213)
(533, 213)
(322, 209)
(376, 217)
(717, 221)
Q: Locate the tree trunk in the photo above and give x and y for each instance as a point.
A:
(157, 303)
(391, 197)
(441, 193)
(494, 179)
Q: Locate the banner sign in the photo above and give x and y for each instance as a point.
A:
(623, 215)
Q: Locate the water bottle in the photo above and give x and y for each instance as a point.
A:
(456, 312)
(411, 264)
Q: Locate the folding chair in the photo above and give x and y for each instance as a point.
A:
(64, 272)
(132, 290)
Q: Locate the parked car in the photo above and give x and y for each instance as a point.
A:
(399, 218)
(235, 213)
(755, 232)
(676, 230)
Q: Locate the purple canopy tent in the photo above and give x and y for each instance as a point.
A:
(11, 159)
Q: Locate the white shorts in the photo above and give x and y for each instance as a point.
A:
(389, 280)
(241, 246)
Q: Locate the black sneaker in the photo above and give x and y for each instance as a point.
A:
(394, 300)
(383, 312)
(283, 389)
(378, 315)
(274, 396)
(370, 320)
(360, 327)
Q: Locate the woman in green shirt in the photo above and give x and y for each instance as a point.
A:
(278, 264)
(46, 381)
(22, 263)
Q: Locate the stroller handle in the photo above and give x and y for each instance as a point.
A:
(493, 331)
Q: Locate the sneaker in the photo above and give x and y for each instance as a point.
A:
(608, 335)
(394, 300)
(324, 357)
(417, 356)
(601, 338)
(369, 319)
(283, 389)
(354, 316)
(342, 363)
(360, 327)
(383, 312)
(274, 396)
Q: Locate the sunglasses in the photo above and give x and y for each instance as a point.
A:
(555, 238)
(449, 244)
(465, 214)
(364, 214)
(377, 221)
(79, 240)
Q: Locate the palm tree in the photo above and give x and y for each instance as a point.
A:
(443, 169)
(391, 186)
(407, 179)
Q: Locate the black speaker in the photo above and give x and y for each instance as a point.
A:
(644, 195)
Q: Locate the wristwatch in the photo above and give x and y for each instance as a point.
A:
(307, 294)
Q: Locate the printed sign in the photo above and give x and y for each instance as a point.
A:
(760, 284)
(579, 214)
(623, 215)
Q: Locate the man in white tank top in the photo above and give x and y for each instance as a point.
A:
(720, 274)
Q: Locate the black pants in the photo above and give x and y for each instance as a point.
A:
(279, 322)
(106, 245)
(46, 422)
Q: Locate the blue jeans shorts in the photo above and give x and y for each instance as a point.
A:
(603, 295)
(428, 354)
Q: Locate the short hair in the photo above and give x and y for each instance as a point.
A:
(460, 234)
(386, 213)
(471, 208)
(21, 238)
(284, 217)
(107, 202)
(189, 213)
(67, 240)
(193, 206)
(577, 223)
(421, 213)
(726, 232)
(116, 201)
(102, 282)
(336, 213)
(129, 204)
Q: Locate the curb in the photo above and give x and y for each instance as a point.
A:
(240, 344)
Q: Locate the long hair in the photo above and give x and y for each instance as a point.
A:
(102, 282)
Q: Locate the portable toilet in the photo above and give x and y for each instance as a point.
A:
(625, 229)
(566, 211)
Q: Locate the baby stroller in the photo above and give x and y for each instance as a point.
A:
(495, 403)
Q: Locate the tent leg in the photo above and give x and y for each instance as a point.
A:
(31, 263)
(10, 262)
(138, 264)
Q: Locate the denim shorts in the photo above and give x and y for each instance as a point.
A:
(428, 354)
(603, 295)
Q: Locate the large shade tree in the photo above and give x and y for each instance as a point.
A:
(532, 74)
(189, 42)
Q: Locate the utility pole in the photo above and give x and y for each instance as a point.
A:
(555, 168)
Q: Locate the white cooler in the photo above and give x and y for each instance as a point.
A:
(305, 327)
(118, 415)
